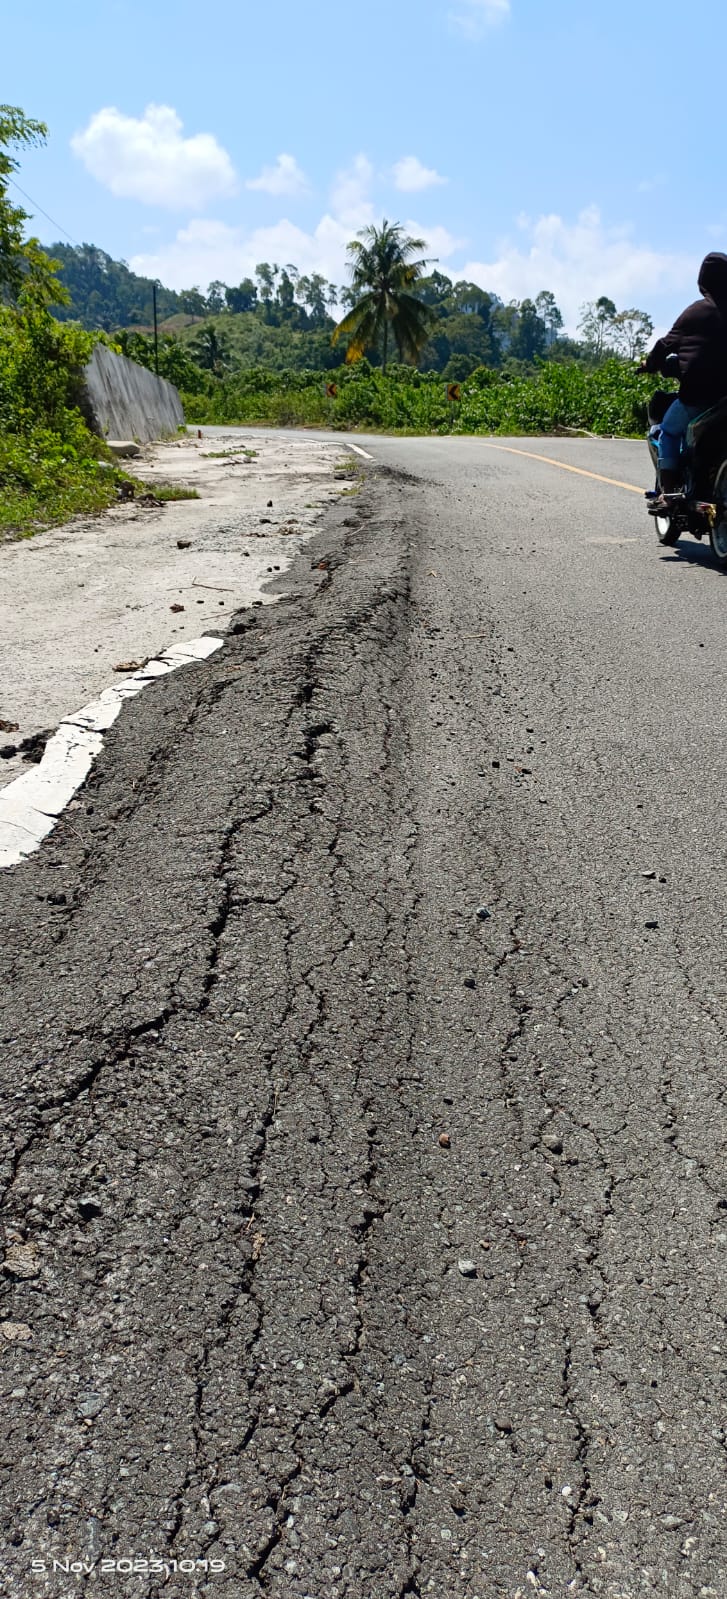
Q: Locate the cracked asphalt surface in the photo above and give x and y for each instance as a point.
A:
(364, 1195)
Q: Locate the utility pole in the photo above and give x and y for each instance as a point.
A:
(156, 331)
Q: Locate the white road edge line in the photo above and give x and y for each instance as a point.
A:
(364, 453)
(31, 805)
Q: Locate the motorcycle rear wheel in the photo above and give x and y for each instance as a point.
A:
(667, 529)
(718, 530)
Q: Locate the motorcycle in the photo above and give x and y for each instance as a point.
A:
(700, 506)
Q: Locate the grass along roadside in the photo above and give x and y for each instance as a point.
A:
(41, 488)
(45, 479)
(223, 455)
(166, 491)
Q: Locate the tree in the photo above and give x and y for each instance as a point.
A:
(26, 272)
(215, 297)
(385, 269)
(175, 362)
(192, 302)
(550, 316)
(266, 276)
(632, 331)
(597, 318)
(315, 294)
(243, 298)
(435, 289)
(529, 333)
(286, 294)
(96, 312)
(458, 368)
(472, 300)
(210, 349)
(504, 326)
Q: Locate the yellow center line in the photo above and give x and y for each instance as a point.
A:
(579, 470)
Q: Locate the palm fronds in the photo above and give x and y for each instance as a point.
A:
(385, 269)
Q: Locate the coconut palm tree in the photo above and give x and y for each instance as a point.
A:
(210, 348)
(384, 273)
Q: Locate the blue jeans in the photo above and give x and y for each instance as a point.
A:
(673, 430)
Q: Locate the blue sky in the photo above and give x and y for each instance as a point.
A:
(535, 145)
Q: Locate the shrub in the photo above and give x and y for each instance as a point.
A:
(555, 396)
(50, 463)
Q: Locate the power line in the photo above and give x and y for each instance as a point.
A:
(45, 213)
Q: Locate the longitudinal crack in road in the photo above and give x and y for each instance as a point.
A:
(327, 1226)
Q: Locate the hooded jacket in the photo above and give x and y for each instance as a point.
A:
(699, 338)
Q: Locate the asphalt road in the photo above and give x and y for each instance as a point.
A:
(363, 1046)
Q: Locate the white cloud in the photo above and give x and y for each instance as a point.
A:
(579, 261)
(147, 158)
(439, 243)
(286, 177)
(351, 193)
(410, 175)
(477, 16)
(205, 250)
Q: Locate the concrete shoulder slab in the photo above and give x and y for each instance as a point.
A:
(22, 829)
(31, 805)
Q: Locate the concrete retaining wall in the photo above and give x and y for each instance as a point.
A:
(124, 401)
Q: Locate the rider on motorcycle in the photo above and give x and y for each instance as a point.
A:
(699, 340)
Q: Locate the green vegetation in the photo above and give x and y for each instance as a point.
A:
(49, 461)
(25, 269)
(222, 455)
(263, 352)
(283, 320)
(45, 478)
(50, 466)
(384, 276)
(166, 491)
(554, 397)
(175, 491)
(106, 294)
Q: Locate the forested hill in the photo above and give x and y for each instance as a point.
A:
(282, 319)
(106, 293)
